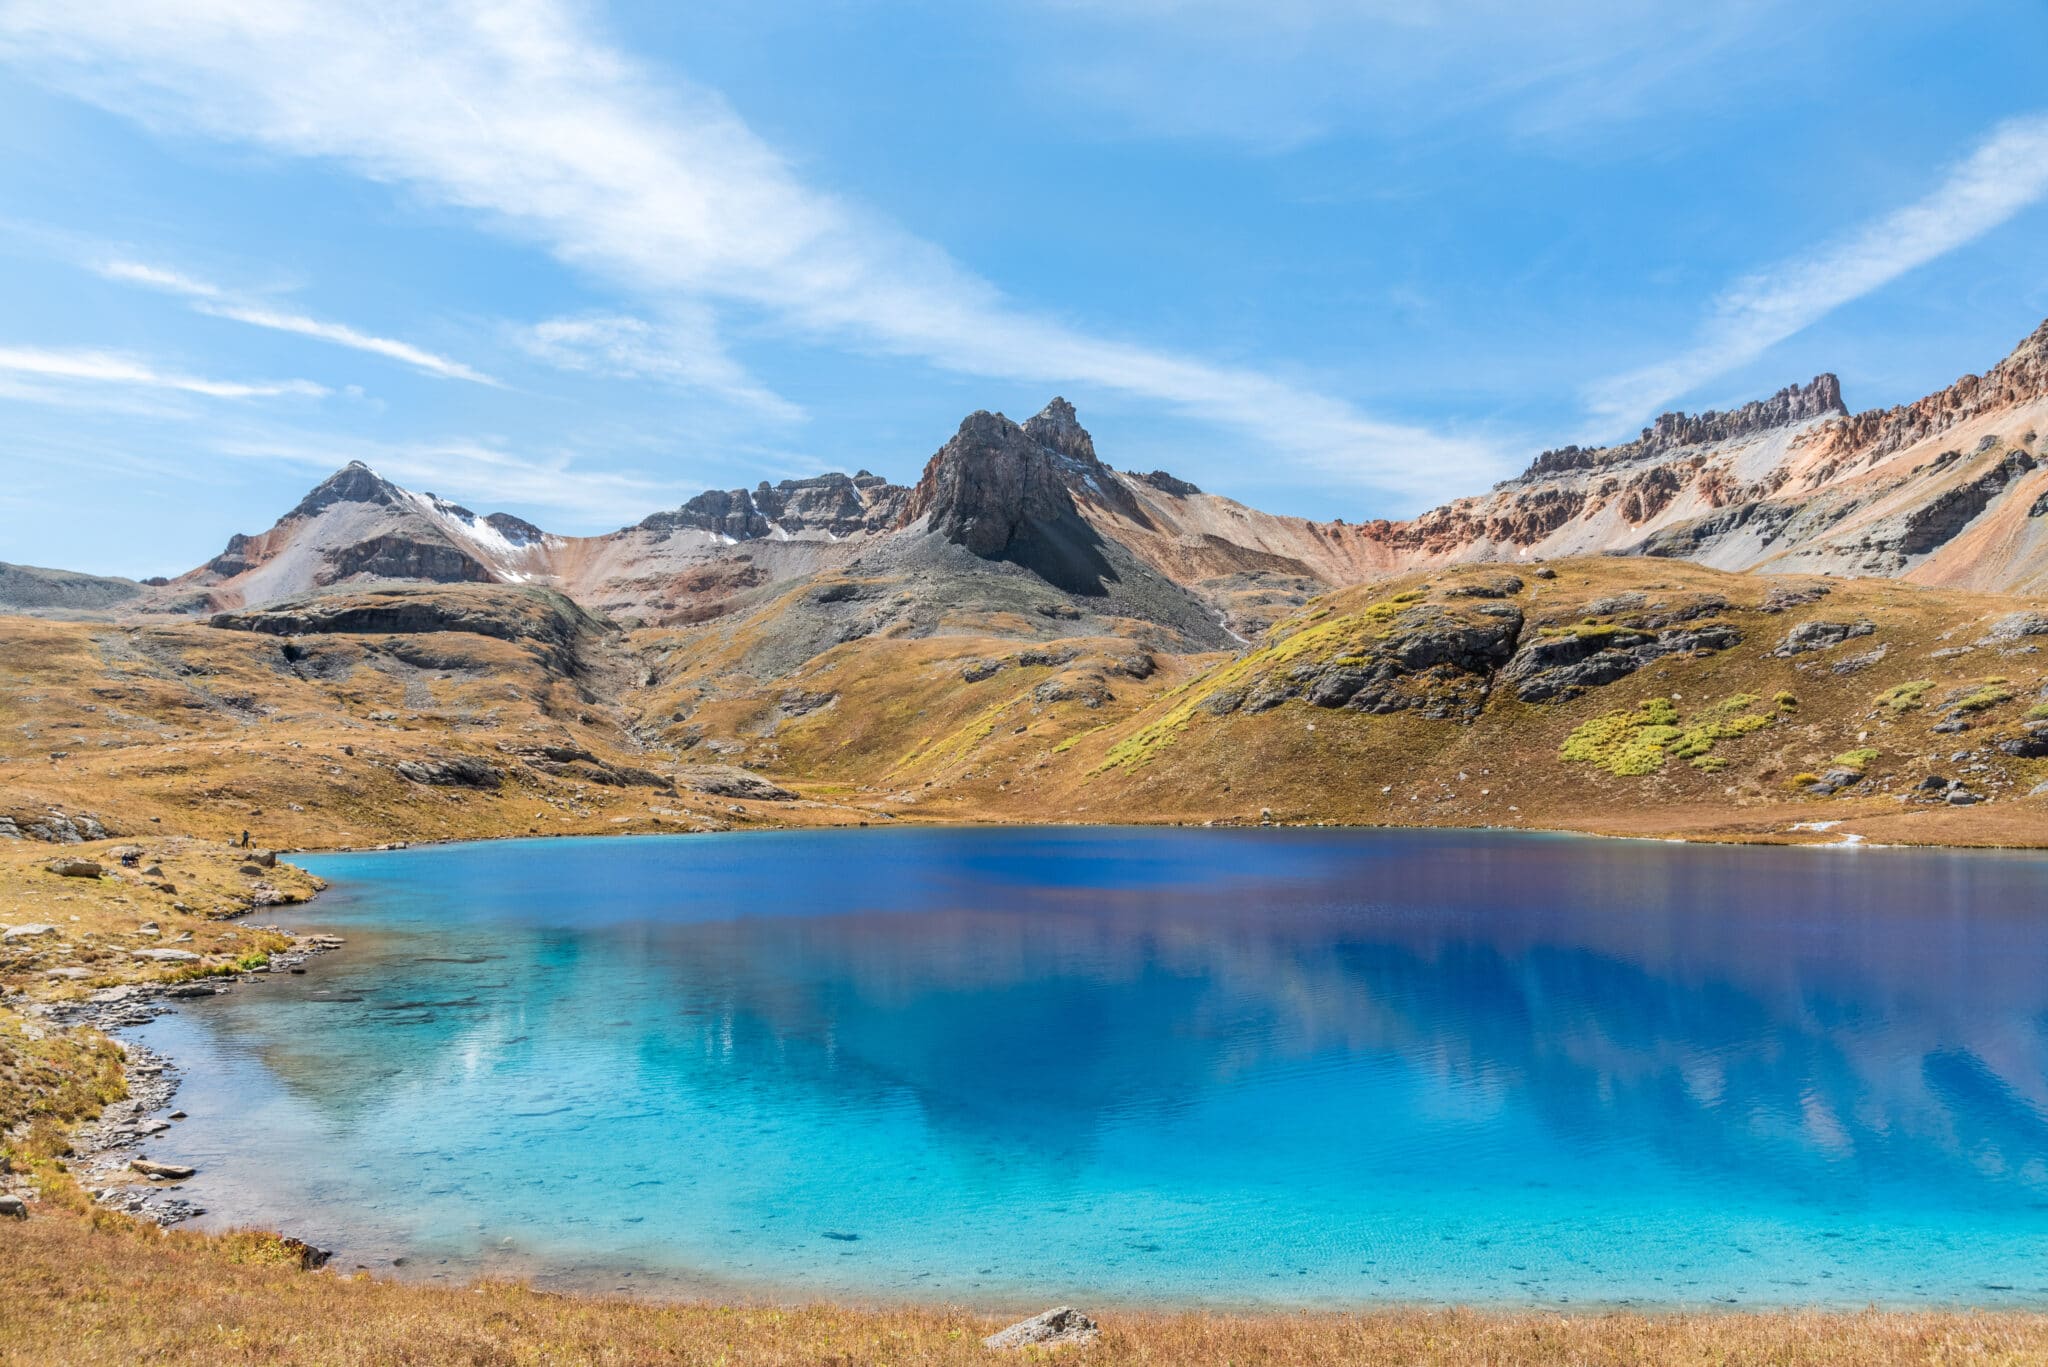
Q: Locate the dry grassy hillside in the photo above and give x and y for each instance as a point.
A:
(1604, 694)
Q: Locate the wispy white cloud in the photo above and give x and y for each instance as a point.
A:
(684, 352)
(522, 115)
(2005, 174)
(114, 368)
(211, 299)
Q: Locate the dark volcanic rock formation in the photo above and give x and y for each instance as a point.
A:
(1002, 492)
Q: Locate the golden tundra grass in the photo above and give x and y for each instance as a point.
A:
(70, 1293)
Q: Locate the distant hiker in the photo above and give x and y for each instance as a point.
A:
(245, 840)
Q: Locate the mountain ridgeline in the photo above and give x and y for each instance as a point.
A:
(1948, 490)
(1710, 629)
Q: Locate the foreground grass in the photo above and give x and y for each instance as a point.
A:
(74, 1293)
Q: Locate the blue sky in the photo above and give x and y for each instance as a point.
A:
(1334, 257)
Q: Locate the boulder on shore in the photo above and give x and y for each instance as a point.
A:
(1053, 1328)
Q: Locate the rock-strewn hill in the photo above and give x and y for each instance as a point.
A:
(1606, 693)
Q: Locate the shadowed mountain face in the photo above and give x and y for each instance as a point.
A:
(1004, 492)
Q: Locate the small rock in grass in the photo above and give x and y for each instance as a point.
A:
(170, 1172)
(13, 1208)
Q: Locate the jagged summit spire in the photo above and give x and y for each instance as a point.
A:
(1057, 426)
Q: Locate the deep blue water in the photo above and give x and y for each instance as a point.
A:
(1162, 1065)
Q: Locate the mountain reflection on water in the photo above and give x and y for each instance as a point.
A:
(1219, 1066)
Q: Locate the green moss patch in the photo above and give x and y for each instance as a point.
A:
(1634, 744)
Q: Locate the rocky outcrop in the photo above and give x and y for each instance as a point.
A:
(1811, 636)
(404, 557)
(989, 485)
(836, 505)
(1820, 397)
(1169, 484)
(450, 771)
(1430, 660)
(1004, 492)
(725, 780)
(1939, 520)
(1565, 662)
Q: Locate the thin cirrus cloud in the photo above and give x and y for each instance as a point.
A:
(2006, 173)
(211, 299)
(522, 116)
(683, 352)
(114, 368)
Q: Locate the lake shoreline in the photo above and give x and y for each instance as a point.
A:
(694, 1288)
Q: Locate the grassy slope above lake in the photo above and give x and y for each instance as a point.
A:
(1621, 696)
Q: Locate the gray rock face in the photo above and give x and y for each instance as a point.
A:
(1784, 598)
(725, 780)
(993, 481)
(1431, 661)
(1169, 484)
(454, 771)
(1086, 689)
(1552, 668)
(1053, 1328)
(841, 505)
(57, 828)
(1492, 586)
(34, 930)
(2015, 627)
(1819, 398)
(2030, 744)
(1810, 636)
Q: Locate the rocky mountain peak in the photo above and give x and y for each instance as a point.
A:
(992, 479)
(1058, 427)
(354, 482)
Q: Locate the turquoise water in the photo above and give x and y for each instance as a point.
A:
(1154, 1065)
